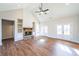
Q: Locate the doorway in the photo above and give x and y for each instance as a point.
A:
(7, 32)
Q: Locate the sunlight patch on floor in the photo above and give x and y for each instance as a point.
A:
(41, 42)
(62, 50)
(77, 51)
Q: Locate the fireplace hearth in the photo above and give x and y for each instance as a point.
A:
(27, 31)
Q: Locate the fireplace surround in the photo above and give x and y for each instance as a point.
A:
(27, 31)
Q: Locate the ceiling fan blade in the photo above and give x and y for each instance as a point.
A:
(46, 10)
(37, 11)
(41, 9)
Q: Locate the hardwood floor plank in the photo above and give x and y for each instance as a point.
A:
(45, 47)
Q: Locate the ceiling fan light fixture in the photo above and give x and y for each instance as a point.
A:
(45, 13)
(41, 10)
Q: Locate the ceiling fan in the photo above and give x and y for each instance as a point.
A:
(41, 10)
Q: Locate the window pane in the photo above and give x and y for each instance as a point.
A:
(37, 29)
(59, 29)
(67, 29)
(46, 29)
(42, 31)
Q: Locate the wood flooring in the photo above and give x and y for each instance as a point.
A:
(40, 46)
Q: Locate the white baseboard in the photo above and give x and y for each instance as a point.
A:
(60, 37)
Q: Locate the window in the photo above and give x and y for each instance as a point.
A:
(63, 29)
(41, 29)
(44, 29)
(67, 29)
(59, 29)
(37, 29)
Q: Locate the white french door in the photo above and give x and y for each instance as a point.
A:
(63, 31)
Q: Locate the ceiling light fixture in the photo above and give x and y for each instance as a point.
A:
(42, 10)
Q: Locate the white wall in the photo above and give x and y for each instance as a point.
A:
(28, 18)
(74, 29)
(12, 15)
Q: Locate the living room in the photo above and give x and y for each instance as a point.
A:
(40, 22)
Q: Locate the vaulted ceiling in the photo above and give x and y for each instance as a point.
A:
(55, 9)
